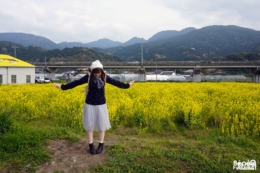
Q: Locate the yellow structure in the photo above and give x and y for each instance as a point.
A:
(15, 71)
(9, 61)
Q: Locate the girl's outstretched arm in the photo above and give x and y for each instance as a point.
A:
(57, 85)
(118, 83)
(131, 82)
(73, 84)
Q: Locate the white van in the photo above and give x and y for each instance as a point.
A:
(39, 79)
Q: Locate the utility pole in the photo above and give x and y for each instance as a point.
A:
(141, 71)
(142, 53)
(156, 72)
(45, 66)
(14, 50)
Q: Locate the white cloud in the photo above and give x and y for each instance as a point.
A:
(120, 20)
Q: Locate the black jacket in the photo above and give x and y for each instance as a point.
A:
(95, 95)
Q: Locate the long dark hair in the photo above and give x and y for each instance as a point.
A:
(96, 70)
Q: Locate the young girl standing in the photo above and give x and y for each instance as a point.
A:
(95, 113)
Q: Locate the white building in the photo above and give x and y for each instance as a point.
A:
(15, 71)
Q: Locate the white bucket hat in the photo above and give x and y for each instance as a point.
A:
(96, 64)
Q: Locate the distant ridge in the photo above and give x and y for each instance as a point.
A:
(200, 44)
(103, 43)
(132, 41)
(210, 42)
(168, 34)
(28, 40)
(33, 40)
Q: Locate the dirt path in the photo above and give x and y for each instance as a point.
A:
(73, 158)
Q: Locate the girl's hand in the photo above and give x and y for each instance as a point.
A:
(57, 85)
(131, 83)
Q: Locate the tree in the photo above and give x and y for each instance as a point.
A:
(4, 50)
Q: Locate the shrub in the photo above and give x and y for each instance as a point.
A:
(5, 123)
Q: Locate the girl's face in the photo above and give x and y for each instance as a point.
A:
(97, 72)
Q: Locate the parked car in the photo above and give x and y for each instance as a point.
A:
(47, 80)
(39, 79)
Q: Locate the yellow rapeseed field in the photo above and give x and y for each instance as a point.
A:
(232, 107)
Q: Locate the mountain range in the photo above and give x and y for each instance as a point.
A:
(210, 42)
(45, 43)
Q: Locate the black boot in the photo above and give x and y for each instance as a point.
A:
(91, 148)
(100, 148)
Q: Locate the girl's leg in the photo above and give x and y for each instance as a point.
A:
(101, 136)
(90, 136)
(90, 140)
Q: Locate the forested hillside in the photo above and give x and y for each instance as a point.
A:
(35, 54)
(208, 43)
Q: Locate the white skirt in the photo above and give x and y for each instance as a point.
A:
(95, 117)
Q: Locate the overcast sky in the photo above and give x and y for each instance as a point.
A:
(120, 20)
